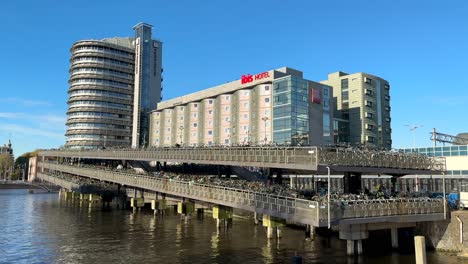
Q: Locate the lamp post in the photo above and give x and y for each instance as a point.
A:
(265, 119)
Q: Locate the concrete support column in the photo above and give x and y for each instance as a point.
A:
(137, 203)
(186, 209)
(222, 214)
(350, 247)
(420, 249)
(255, 218)
(310, 232)
(279, 232)
(273, 223)
(359, 247)
(394, 235)
(270, 232)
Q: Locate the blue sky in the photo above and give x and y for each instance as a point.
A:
(420, 47)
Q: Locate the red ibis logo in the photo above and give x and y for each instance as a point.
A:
(250, 78)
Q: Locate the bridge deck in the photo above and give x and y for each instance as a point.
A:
(291, 209)
(294, 158)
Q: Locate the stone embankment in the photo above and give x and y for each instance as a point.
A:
(449, 235)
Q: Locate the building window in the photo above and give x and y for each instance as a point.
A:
(388, 119)
(344, 84)
(195, 125)
(168, 129)
(387, 97)
(210, 101)
(246, 105)
(267, 112)
(210, 132)
(195, 105)
(227, 119)
(194, 134)
(246, 128)
(195, 114)
(226, 141)
(227, 130)
(157, 123)
(267, 88)
(157, 131)
(227, 97)
(210, 112)
(369, 127)
(210, 122)
(387, 86)
(246, 116)
(210, 143)
(181, 118)
(157, 140)
(267, 100)
(369, 115)
(387, 108)
(227, 108)
(367, 80)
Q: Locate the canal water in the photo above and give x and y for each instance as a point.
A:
(41, 228)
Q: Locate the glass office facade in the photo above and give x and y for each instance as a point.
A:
(442, 151)
(291, 111)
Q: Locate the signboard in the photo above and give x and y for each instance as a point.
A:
(250, 78)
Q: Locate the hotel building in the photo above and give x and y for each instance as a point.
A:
(114, 84)
(362, 109)
(277, 106)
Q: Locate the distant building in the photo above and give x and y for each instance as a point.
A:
(362, 109)
(114, 84)
(277, 106)
(7, 149)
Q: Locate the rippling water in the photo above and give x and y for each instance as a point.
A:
(40, 228)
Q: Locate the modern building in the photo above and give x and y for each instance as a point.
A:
(362, 112)
(277, 106)
(114, 84)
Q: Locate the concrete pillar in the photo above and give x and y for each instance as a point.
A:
(394, 235)
(222, 214)
(420, 249)
(359, 247)
(273, 223)
(279, 232)
(350, 247)
(185, 208)
(137, 203)
(154, 206)
(84, 197)
(255, 218)
(310, 232)
(270, 232)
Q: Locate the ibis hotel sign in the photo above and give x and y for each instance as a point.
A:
(250, 78)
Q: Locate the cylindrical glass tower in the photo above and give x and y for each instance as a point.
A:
(100, 104)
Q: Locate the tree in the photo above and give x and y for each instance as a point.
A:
(6, 164)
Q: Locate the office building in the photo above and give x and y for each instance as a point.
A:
(362, 112)
(114, 84)
(277, 106)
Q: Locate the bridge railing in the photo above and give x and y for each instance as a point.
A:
(379, 159)
(285, 157)
(302, 211)
(383, 207)
(302, 158)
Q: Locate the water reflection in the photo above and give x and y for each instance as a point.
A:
(39, 228)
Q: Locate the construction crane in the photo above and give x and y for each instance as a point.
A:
(445, 138)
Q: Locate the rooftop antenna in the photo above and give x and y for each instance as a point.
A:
(413, 128)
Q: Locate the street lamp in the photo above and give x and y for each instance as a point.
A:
(265, 119)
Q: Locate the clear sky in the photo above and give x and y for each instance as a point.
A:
(420, 47)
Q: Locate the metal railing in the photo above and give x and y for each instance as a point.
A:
(300, 158)
(304, 158)
(292, 209)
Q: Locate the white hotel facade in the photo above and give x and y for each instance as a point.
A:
(276, 106)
